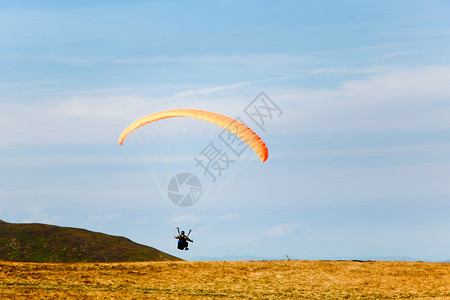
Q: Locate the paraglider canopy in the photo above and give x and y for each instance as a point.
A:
(230, 124)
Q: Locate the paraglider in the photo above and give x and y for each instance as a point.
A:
(230, 124)
(182, 186)
(183, 240)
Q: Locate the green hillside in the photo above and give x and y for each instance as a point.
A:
(47, 243)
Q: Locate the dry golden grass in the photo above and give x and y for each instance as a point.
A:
(227, 280)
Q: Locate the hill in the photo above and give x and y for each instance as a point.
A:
(47, 243)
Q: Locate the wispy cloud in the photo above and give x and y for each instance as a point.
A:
(232, 216)
(186, 219)
(237, 58)
(215, 89)
(250, 240)
(94, 220)
(35, 161)
(28, 83)
(396, 54)
(282, 229)
(37, 215)
(384, 99)
(392, 99)
(431, 149)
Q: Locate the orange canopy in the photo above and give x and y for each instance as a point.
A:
(230, 124)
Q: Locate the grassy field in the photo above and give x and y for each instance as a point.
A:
(227, 280)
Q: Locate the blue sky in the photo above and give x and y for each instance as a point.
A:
(359, 160)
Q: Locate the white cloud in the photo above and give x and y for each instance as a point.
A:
(75, 120)
(396, 54)
(186, 219)
(142, 221)
(35, 161)
(404, 99)
(94, 220)
(37, 215)
(27, 84)
(410, 83)
(282, 229)
(209, 90)
(231, 216)
(429, 149)
(387, 99)
(409, 184)
(250, 240)
(257, 60)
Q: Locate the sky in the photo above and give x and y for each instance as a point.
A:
(359, 138)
